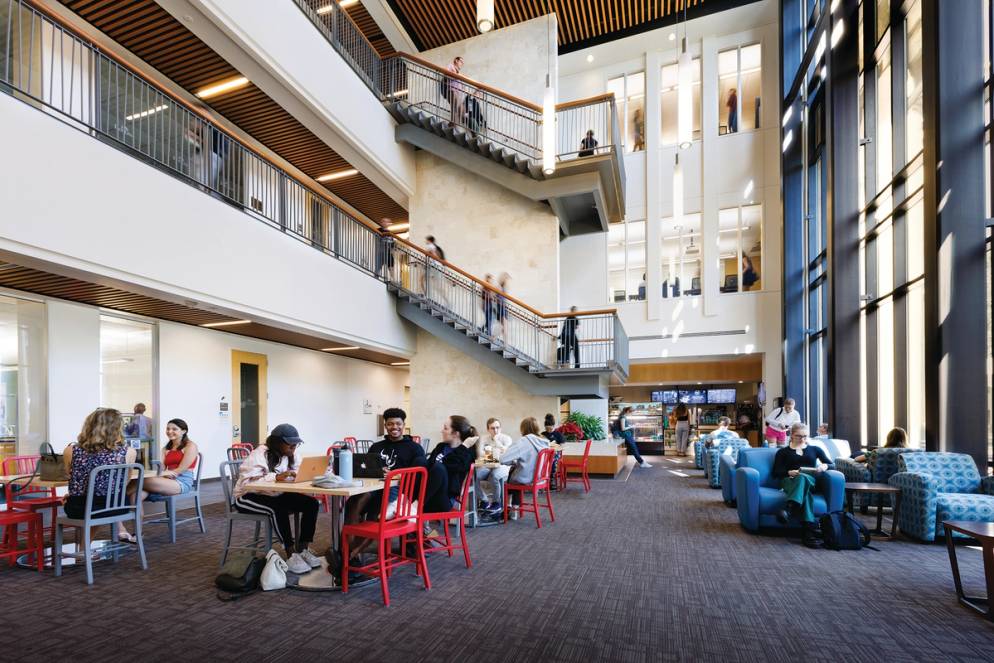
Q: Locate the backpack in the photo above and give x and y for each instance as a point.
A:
(841, 531)
(240, 576)
(616, 426)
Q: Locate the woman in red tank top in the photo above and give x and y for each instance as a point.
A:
(179, 457)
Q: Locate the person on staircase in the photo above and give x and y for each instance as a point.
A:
(456, 92)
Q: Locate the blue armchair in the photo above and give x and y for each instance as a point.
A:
(758, 494)
(699, 453)
(941, 486)
(723, 447)
(726, 475)
(881, 465)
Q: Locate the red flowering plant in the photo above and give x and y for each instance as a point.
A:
(571, 432)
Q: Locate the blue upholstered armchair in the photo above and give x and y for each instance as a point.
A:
(758, 494)
(724, 447)
(699, 453)
(941, 486)
(880, 466)
(726, 476)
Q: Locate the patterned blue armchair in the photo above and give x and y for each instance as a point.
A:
(941, 486)
(700, 451)
(723, 447)
(881, 465)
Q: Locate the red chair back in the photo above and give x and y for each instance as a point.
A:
(586, 451)
(411, 482)
(463, 498)
(243, 445)
(20, 464)
(543, 468)
(238, 451)
(350, 441)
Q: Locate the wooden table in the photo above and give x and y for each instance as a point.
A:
(984, 533)
(877, 489)
(320, 580)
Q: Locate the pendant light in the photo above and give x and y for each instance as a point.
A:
(485, 15)
(549, 128)
(685, 92)
(677, 192)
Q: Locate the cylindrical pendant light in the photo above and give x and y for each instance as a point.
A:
(685, 98)
(677, 192)
(485, 15)
(549, 128)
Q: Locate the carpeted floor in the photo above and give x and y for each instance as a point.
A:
(654, 568)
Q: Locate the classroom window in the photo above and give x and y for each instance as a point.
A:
(668, 96)
(739, 89)
(740, 253)
(681, 256)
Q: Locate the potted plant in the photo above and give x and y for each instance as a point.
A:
(571, 432)
(592, 426)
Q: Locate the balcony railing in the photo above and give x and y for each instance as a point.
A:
(49, 67)
(346, 38)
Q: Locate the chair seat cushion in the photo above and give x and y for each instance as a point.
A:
(772, 500)
(371, 528)
(973, 507)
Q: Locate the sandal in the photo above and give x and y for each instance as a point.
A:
(127, 538)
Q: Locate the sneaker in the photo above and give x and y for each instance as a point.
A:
(645, 464)
(311, 559)
(494, 508)
(296, 564)
(514, 515)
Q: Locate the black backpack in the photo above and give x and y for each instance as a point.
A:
(240, 576)
(841, 531)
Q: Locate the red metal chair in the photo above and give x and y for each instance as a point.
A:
(243, 445)
(350, 441)
(33, 499)
(405, 520)
(543, 470)
(578, 466)
(10, 521)
(445, 516)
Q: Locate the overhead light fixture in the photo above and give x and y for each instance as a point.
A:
(228, 323)
(326, 9)
(122, 360)
(337, 176)
(398, 227)
(398, 93)
(549, 128)
(838, 30)
(221, 88)
(677, 192)
(590, 57)
(341, 349)
(400, 363)
(672, 36)
(484, 15)
(151, 111)
(748, 190)
(344, 4)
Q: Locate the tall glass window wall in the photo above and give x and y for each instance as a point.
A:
(626, 261)
(681, 256)
(668, 97)
(629, 90)
(739, 89)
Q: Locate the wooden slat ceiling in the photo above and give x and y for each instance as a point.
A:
(151, 33)
(582, 23)
(370, 30)
(39, 282)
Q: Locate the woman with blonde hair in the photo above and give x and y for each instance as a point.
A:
(100, 442)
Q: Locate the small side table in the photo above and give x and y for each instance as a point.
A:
(877, 489)
(984, 533)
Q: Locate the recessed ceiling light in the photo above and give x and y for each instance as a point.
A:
(672, 36)
(339, 175)
(221, 88)
(590, 57)
(326, 8)
(150, 111)
(347, 3)
(398, 227)
(228, 323)
(400, 363)
(341, 349)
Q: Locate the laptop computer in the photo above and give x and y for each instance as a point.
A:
(310, 467)
(367, 466)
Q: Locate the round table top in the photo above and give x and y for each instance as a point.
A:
(861, 487)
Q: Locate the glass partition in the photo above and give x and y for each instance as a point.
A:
(23, 377)
(739, 89)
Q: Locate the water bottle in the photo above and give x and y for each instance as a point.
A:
(345, 464)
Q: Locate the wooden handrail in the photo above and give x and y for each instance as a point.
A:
(108, 51)
(589, 101)
(490, 287)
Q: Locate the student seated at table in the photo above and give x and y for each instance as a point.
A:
(550, 433)
(796, 484)
(100, 442)
(720, 433)
(496, 443)
(179, 457)
(897, 438)
(277, 460)
(522, 456)
(448, 464)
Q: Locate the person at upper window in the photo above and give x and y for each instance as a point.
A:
(779, 421)
(491, 444)
(749, 275)
(588, 144)
(720, 433)
(100, 442)
(277, 461)
(448, 463)
(522, 456)
(179, 460)
(897, 438)
(733, 110)
(796, 466)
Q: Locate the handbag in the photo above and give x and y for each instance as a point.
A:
(274, 575)
(240, 575)
(50, 465)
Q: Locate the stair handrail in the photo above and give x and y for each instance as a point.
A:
(334, 22)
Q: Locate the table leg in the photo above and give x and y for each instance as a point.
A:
(951, 549)
(988, 548)
(880, 515)
(895, 528)
(980, 604)
(849, 500)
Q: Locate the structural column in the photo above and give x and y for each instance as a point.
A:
(955, 324)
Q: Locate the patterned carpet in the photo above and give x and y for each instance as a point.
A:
(654, 568)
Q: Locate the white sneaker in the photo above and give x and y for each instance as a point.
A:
(297, 564)
(645, 464)
(514, 513)
(311, 559)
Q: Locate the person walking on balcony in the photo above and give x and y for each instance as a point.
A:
(436, 280)
(568, 338)
(456, 93)
(638, 122)
(504, 283)
(488, 298)
(588, 144)
(733, 111)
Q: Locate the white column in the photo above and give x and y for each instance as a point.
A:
(653, 140)
(709, 167)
